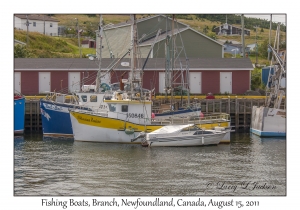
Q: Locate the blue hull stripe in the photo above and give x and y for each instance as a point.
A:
(267, 133)
(180, 111)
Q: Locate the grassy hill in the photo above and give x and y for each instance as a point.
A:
(41, 46)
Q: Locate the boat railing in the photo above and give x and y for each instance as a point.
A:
(61, 98)
(212, 118)
(82, 109)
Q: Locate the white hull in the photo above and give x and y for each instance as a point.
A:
(89, 133)
(196, 140)
(268, 121)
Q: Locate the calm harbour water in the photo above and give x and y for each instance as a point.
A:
(249, 165)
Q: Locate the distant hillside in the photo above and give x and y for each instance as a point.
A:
(249, 23)
(41, 46)
(203, 23)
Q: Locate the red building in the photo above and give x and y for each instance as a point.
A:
(214, 75)
(88, 43)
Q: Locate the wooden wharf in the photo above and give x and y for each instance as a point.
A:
(239, 108)
(33, 120)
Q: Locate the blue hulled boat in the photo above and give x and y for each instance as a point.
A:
(55, 111)
(19, 114)
(55, 118)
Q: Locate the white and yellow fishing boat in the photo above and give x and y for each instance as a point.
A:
(126, 118)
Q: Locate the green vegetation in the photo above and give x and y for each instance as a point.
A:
(21, 52)
(256, 82)
(41, 46)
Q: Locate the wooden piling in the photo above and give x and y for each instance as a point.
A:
(37, 116)
(236, 114)
(245, 114)
(30, 114)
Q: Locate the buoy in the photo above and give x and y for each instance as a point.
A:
(152, 115)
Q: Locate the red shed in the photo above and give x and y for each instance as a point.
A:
(214, 75)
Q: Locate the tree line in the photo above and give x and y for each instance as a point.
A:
(249, 22)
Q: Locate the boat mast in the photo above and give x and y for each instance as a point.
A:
(169, 66)
(173, 62)
(100, 31)
(135, 75)
(274, 91)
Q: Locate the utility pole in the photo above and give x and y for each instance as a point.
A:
(44, 25)
(256, 27)
(270, 36)
(243, 36)
(78, 34)
(27, 24)
(278, 37)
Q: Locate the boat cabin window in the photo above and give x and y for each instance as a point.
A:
(202, 132)
(93, 98)
(192, 128)
(124, 108)
(112, 107)
(84, 98)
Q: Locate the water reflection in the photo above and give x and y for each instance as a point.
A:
(66, 167)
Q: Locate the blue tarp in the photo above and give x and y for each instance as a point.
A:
(265, 74)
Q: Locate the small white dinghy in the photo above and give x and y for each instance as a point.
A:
(182, 135)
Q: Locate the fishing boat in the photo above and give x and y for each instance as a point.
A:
(130, 112)
(19, 113)
(182, 135)
(55, 111)
(270, 119)
(126, 118)
(55, 106)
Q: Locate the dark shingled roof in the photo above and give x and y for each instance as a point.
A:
(37, 17)
(71, 64)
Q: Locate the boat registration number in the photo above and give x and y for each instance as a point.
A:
(135, 115)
